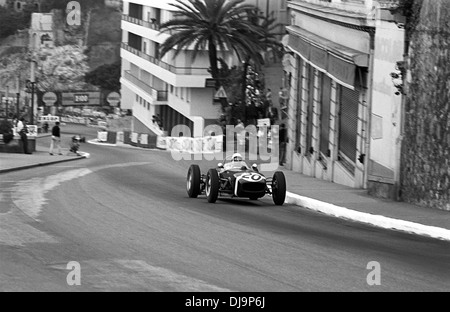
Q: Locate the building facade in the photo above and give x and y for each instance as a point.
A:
(345, 119)
(171, 88)
(42, 31)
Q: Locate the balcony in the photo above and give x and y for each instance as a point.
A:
(183, 71)
(159, 97)
(152, 25)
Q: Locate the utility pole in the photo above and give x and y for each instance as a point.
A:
(18, 97)
(7, 102)
(33, 83)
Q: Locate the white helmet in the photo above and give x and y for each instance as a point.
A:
(237, 157)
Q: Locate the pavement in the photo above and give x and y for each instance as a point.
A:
(41, 157)
(313, 194)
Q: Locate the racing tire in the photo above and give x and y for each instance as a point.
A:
(193, 181)
(212, 186)
(279, 188)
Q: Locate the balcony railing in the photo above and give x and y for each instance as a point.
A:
(168, 67)
(153, 24)
(159, 96)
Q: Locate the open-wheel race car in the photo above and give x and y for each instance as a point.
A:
(235, 179)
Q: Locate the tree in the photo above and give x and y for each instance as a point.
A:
(11, 21)
(106, 77)
(218, 25)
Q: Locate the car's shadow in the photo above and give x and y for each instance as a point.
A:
(244, 202)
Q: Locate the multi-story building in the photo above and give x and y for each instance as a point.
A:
(173, 88)
(279, 10)
(345, 119)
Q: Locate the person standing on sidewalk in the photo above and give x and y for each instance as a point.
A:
(283, 143)
(22, 130)
(56, 139)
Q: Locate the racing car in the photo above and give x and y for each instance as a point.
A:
(235, 179)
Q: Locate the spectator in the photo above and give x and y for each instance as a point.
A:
(283, 98)
(269, 96)
(252, 113)
(56, 139)
(283, 142)
(22, 130)
(45, 127)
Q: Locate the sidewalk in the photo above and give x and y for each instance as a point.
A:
(15, 162)
(356, 205)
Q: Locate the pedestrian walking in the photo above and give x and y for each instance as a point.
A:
(56, 139)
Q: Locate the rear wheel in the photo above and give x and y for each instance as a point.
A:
(279, 188)
(193, 181)
(212, 186)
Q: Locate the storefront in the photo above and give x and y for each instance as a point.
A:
(329, 107)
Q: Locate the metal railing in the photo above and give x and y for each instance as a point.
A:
(168, 67)
(159, 96)
(152, 25)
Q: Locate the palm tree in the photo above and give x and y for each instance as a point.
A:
(218, 25)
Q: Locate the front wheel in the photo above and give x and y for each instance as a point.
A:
(279, 188)
(193, 181)
(212, 186)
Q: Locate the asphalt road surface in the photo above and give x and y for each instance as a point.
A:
(124, 216)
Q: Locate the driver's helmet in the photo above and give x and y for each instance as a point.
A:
(237, 157)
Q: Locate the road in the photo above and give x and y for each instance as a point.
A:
(125, 217)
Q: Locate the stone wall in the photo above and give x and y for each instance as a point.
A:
(426, 149)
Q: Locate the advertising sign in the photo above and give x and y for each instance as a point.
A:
(81, 99)
(49, 119)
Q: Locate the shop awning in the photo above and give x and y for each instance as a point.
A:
(337, 61)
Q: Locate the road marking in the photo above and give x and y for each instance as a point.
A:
(29, 195)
